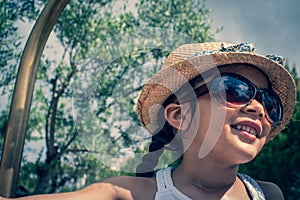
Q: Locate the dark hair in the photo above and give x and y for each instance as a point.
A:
(156, 148)
(166, 134)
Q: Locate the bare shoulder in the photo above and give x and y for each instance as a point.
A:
(134, 187)
(271, 190)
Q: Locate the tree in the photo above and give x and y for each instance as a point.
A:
(10, 40)
(103, 54)
(10, 12)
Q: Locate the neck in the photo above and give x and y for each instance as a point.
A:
(208, 176)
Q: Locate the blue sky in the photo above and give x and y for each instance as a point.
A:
(273, 26)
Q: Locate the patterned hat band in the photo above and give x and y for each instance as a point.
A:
(245, 47)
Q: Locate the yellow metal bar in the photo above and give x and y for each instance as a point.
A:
(22, 96)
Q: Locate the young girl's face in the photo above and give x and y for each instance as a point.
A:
(232, 134)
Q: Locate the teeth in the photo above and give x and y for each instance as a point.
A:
(247, 129)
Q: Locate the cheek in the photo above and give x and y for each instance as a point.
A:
(266, 128)
(214, 116)
(214, 121)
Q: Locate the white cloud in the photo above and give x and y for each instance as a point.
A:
(272, 25)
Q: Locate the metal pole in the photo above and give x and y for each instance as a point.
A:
(21, 101)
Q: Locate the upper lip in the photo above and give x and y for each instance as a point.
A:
(252, 125)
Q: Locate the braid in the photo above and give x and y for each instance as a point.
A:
(166, 134)
(156, 148)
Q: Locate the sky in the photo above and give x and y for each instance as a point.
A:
(273, 26)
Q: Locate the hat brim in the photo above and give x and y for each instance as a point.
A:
(164, 83)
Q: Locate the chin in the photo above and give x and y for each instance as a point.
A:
(247, 156)
(248, 151)
(244, 161)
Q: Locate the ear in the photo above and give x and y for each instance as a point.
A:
(174, 115)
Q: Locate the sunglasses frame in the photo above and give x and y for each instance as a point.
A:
(258, 94)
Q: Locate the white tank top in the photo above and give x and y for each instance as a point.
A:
(167, 191)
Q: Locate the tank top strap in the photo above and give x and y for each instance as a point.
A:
(252, 186)
(164, 179)
(160, 181)
(165, 187)
(168, 178)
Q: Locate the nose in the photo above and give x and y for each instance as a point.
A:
(254, 108)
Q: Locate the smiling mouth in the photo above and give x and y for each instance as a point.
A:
(246, 128)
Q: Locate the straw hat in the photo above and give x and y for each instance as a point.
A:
(191, 60)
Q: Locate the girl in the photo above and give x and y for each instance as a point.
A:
(217, 104)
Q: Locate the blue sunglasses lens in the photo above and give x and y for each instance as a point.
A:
(238, 90)
(273, 106)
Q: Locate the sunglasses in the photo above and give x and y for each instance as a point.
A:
(235, 91)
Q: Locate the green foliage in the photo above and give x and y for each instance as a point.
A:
(3, 126)
(10, 12)
(113, 54)
(279, 160)
(189, 17)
